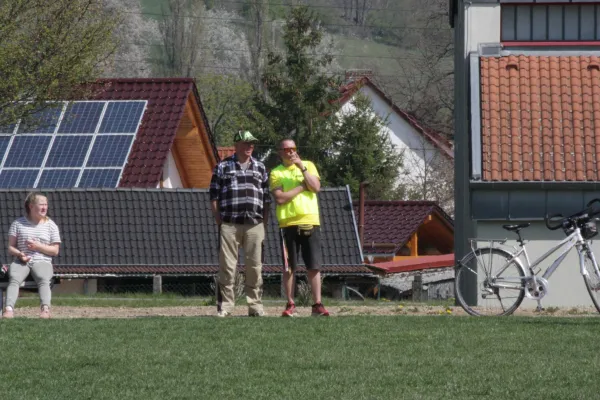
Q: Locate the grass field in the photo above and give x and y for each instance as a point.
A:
(363, 357)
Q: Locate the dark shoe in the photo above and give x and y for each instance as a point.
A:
(318, 310)
(290, 310)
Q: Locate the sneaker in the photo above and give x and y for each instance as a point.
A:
(8, 313)
(260, 313)
(45, 312)
(290, 310)
(318, 310)
(223, 314)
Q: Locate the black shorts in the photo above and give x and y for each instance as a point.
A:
(310, 246)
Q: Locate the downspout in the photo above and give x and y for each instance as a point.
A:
(361, 212)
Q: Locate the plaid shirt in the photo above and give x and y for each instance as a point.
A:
(241, 194)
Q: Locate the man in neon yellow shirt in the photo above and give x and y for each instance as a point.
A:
(295, 184)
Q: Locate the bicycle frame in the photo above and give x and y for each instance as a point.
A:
(573, 240)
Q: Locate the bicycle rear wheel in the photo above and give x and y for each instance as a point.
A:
(487, 284)
(592, 280)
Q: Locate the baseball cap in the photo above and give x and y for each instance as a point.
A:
(244, 136)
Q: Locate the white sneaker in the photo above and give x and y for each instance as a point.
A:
(260, 313)
(223, 314)
(45, 312)
(8, 313)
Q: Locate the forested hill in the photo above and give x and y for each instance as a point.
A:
(405, 44)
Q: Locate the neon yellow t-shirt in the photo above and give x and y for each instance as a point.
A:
(302, 209)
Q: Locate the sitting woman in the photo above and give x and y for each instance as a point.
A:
(33, 240)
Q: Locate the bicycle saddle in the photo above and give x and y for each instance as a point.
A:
(516, 228)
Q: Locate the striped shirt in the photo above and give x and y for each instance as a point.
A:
(44, 232)
(242, 194)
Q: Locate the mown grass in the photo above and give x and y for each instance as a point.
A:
(306, 358)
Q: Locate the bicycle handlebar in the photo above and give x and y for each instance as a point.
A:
(548, 218)
(577, 219)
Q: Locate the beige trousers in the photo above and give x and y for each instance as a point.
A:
(250, 238)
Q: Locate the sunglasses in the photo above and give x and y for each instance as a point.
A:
(289, 150)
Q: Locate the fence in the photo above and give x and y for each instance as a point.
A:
(401, 287)
(342, 287)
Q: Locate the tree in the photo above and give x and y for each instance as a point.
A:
(427, 174)
(259, 12)
(48, 50)
(362, 151)
(299, 93)
(425, 88)
(181, 31)
(136, 37)
(227, 100)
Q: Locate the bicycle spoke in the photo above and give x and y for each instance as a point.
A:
(487, 293)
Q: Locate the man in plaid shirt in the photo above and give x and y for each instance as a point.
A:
(240, 199)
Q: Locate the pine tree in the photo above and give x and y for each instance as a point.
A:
(362, 151)
(299, 92)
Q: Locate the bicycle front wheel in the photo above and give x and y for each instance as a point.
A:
(592, 279)
(490, 283)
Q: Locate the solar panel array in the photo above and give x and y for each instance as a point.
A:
(70, 144)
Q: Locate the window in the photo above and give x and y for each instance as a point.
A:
(552, 23)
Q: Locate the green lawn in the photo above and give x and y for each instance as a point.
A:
(307, 358)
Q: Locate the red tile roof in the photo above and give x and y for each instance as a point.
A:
(416, 264)
(540, 118)
(225, 152)
(435, 138)
(120, 270)
(392, 223)
(167, 98)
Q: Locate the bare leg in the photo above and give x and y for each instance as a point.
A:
(288, 282)
(314, 276)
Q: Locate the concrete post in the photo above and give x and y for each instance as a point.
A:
(157, 284)
(417, 288)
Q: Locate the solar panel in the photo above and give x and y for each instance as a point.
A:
(8, 128)
(85, 144)
(81, 117)
(58, 178)
(27, 151)
(4, 140)
(43, 121)
(18, 178)
(122, 117)
(109, 151)
(68, 151)
(98, 178)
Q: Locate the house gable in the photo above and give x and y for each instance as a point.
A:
(389, 226)
(432, 137)
(174, 122)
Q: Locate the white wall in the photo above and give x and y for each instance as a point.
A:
(171, 177)
(567, 288)
(482, 23)
(406, 138)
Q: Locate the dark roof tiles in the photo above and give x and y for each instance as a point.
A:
(394, 222)
(139, 230)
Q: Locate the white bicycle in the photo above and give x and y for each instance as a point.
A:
(492, 280)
